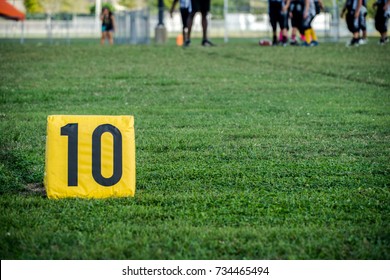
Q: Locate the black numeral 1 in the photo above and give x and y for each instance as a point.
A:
(71, 130)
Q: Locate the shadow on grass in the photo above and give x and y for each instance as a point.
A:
(35, 189)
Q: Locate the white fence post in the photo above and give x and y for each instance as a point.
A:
(225, 15)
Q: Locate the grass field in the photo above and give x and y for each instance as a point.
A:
(243, 152)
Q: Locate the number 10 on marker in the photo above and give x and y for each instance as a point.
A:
(90, 156)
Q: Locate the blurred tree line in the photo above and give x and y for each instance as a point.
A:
(88, 6)
(74, 6)
(56, 6)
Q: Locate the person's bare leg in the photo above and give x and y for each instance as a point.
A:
(204, 25)
(294, 33)
(189, 27)
(284, 32)
(102, 39)
(110, 37)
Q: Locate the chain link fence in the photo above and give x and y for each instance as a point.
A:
(132, 27)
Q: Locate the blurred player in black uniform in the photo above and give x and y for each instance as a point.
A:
(352, 10)
(363, 23)
(309, 13)
(277, 11)
(381, 19)
(296, 16)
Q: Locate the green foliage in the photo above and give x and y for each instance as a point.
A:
(154, 3)
(243, 152)
(55, 6)
(104, 5)
(371, 10)
(33, 6)
(130, 3)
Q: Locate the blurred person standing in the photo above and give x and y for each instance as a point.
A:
(309, 14)
(381, 19)
(277, 10)
(202, 6)
(185, 11)
(108, 26)
(296, 16)
(363, 23)
(352, 10)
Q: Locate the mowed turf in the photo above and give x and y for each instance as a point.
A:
(243, 152)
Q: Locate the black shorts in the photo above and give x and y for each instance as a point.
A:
(107, 28)
(202, 6)
(276, 16)
(296, 9)
(381, 20)
(184, 16)
(352, 22)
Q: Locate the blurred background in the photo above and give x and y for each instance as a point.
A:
(65, 20)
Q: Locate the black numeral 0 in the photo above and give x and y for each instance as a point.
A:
(71, 130)
(96, 155)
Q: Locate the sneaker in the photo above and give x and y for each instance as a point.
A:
(275, 43)
(362, 41)
(383, 41)
(293, 43)
(305, 44)
(187, 43)
(353, 42)
(314, 43)
(207, 43)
